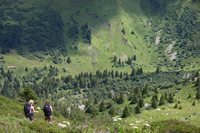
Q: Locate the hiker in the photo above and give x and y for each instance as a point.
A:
(47, 112)
(29, 109)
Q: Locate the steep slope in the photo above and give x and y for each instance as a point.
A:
(159, 33)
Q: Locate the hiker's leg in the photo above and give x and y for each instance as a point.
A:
(46, 118)
(31, 118)
(50, 119)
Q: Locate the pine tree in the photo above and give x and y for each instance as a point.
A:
(115, 58)
(133, 72)
(69, 60)
(137, 109)
(95, 112)
(135, 99)
(156, 90)
(6, 88)
(112, 74)
(9, 75)
(197, 74)
(171, 99)
(180, 107)
(112, 111)
(26, 94)
(166, 96)
(176, 105)
(189, 96)
(197, 82)
(102, 106)
(116, 74)
(194, 103)
(162, 102)
(95, 101)
(157, 70)
(156, 97)
(126, 112)
(154, 104)
(121, 75)
(129, 61)
(123, 31)
(198, 93)
(141, 103)
(134, 57)
(119, 62)
(2, 72)
(26, 69)
(121, 98)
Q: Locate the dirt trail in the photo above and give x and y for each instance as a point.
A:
(158, 37)
(169, 48)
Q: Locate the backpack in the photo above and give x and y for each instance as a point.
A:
(27, 108)
(47, 110)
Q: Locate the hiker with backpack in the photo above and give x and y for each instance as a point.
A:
(47, 112)
(29, 109)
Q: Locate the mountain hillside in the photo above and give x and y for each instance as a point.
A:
(158, 33)
(105, 66)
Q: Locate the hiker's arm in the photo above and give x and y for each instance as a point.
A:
(51, 108)
(35, 111)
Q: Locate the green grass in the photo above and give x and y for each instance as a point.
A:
(168, 112)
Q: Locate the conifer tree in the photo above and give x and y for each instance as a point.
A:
(87, 103)
(194, 103)
(5, 89)
(116, 74)
(112, 111)
(141, 103)
(198, 93)
(123, 31)
(189, 96)
(156, 90)
(95, 101)
(95, 112)
(112, 74)
(171, 99)
(135, 99)
(102, 106)
(176, 105)
(157, 70)
(154, 104)
(27, 94)
(133, 73)
(127, 77)
(153, 98)
(121, 75)
(115, 58)
(197, 82)
(126, 112)
(197, 74)
(121, 98)
(2, 72)
(134, 57)
(129, 61)
(166, 96)
(26, 69)
(119, 62)
(137, 109)
(162, 102)
(156, 97)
